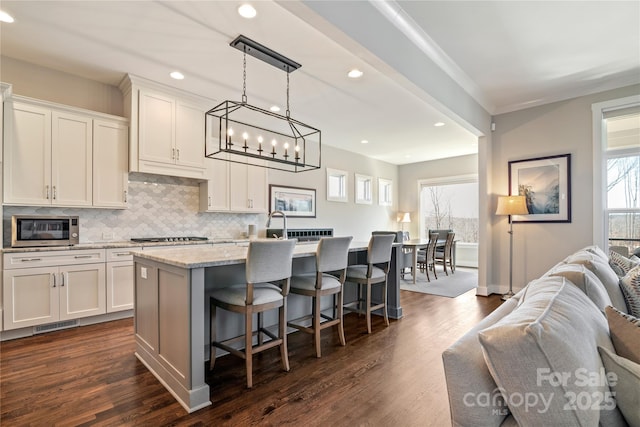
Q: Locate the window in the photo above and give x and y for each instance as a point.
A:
(622, 165)
(385, 195)
(336, 185)
(450, 204)
(363, 189)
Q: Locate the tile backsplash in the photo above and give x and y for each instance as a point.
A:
(158, 206)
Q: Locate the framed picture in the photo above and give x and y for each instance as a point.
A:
(293, 201)
(546, 184)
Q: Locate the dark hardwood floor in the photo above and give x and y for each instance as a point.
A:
(90, 376)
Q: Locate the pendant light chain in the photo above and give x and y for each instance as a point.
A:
(288, 94)
(244, 76)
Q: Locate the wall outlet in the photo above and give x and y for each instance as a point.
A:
(143, 272)
(107, 235)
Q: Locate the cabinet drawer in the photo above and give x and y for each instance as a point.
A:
(52, 258)
(121, 254)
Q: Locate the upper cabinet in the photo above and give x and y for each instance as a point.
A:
(49, 153)
(110, 164)
(167, 129)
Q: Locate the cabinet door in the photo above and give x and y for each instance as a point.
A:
(27, 155)
(238, 198)
(71, 160)
(82, 291)
(189, 135)
(119, 286)
(257, 190)
(30, 297)
(214, 193)
(156, 134)
(111, 164)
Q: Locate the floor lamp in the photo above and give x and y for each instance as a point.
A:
(511, 205)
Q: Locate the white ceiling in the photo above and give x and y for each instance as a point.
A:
(507, 55)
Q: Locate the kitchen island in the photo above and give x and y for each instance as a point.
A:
(172, 308)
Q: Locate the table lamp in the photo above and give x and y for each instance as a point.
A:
(511, 205)
(406, 217)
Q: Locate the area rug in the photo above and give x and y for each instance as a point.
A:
(451, 286)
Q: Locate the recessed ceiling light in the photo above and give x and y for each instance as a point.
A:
(364, 141)
(439, 124)
(355, 73)
(176, 75)
(247, 11)
(274, 108)
(5, 17)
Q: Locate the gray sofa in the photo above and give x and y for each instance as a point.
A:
(535, 361)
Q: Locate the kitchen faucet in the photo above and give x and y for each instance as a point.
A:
(284, 220)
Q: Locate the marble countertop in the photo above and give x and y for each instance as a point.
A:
(213, 255)
(123, 244)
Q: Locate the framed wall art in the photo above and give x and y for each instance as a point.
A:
(293, 201)
(546, 184)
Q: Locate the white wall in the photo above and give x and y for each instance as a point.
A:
(552, 129)
(44, 83)
(348, 218)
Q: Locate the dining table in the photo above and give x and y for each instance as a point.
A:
(416, 244)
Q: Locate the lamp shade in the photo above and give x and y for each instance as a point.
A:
(406, 217)
(512, 205)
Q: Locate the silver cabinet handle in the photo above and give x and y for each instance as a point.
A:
(82, 256)
(61, 279)
(178, 154)
(209, 200)
(173, 154)
(54, 280)
(55, 192)
(122, 253)
(46, 189)
(125, 196)
(30, 259)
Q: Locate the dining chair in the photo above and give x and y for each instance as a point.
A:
(444, 255)
(268, 263)
(375, 271)
(332, 257)
(426, 257)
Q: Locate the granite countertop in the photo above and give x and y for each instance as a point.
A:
(212, 255)
(122, 244)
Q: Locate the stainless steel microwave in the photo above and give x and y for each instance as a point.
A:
(44, 230)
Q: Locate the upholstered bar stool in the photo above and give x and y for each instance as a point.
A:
(374, 271)
(268, 262)
(332, 257)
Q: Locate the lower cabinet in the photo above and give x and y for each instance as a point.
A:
(35, 296)
(120, 283)
(50, 286)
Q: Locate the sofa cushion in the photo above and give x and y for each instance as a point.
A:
(474, 398)
(624, 379)
(604, 272)
(541, 352)
(621, 264)
(596, 251)
(630, 285)
(584, 279)
(625, 334)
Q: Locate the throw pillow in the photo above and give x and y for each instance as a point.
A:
(621, 264)
(603, 271)
(545, 347)
(625, 334)
(623, 377)
(630, 285)
(584, 279)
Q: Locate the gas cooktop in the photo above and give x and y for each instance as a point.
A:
(168, 239)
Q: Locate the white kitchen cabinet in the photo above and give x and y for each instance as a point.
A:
(170, 134)
(247, 188)
(45, 287)
(120, 283)
(49, 153)
(111, 164)
(214, 192)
